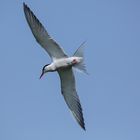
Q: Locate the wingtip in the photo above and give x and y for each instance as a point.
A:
(81, 123)
(83, 128)
(24, 4)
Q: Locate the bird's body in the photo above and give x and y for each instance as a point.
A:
(64, 63)
(60, 63)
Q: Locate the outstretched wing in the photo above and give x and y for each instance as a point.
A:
(42, 36)
(70, 95)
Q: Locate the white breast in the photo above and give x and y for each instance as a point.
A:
(60, 63)
(65, 62)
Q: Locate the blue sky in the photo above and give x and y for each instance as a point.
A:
(34, 109)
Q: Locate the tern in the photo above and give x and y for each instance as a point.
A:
(60, 63)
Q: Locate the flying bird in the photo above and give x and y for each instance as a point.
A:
(60, 63)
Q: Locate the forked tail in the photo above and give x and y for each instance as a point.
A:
(79, 53)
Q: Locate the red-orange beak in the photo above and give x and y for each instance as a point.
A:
(41, 75)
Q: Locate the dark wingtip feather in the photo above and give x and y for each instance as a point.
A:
(26, 9)
(82, 124)
(84, 128)
(29, 13)
(25, 6)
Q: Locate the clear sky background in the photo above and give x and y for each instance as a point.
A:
(33, 109)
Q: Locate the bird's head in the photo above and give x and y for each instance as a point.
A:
(44, 70)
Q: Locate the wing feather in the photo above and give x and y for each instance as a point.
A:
(42, 36)
(70, 95)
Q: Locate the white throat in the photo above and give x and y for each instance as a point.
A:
(50, 67)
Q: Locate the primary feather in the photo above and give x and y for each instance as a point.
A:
(42, 36)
